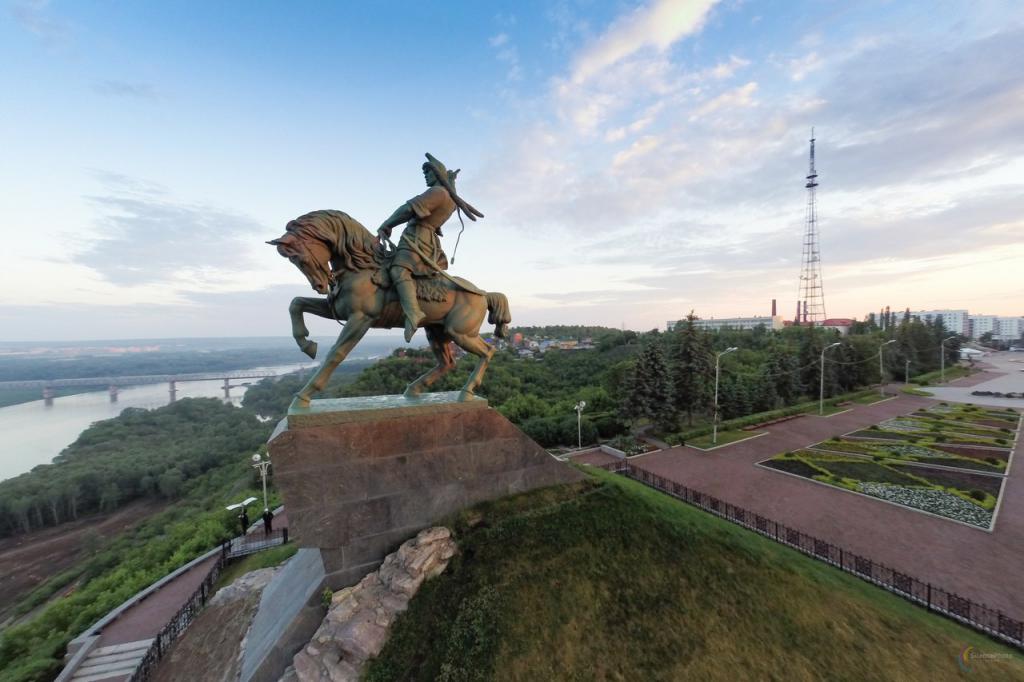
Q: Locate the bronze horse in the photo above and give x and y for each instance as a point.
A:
(347, 264)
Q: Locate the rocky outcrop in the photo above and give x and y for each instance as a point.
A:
(357, 623)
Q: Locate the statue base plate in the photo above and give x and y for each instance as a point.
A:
(344, 410)
(359, 476)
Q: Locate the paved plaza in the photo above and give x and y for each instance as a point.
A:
(1005, 374)
(978, 564)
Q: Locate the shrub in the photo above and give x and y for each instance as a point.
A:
(326, 597)
(1001, 441)
(977, 495)
(992, 460)
(878, 458)
(874, 427)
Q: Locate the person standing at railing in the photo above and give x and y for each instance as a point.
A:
(243, 520)
(268, 522)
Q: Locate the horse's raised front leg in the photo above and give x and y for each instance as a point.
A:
(305, 304)
(354, 330)
(441, 345)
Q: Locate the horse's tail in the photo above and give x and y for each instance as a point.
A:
(498, 313)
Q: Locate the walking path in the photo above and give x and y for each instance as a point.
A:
(983, 566)
(124, 642)
(1004, 373)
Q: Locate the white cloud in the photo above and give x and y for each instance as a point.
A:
(738, 98)
(657, 26)
(725, 70)
(802, 67)
(507, 54)
(640, 148)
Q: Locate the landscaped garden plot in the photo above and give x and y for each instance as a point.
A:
(902, 431)
(959, 495)
(992, 461)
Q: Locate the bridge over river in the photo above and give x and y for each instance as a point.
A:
(113, 383)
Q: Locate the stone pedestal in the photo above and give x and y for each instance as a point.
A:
(359, 476)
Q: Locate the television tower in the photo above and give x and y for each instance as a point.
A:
(811, 300)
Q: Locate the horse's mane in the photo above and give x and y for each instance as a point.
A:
(351, 243)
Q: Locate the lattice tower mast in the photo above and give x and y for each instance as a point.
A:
(811, 299)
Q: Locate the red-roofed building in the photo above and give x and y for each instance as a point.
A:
(840, 324)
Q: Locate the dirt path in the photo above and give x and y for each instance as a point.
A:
(28, 560)
(983, 566)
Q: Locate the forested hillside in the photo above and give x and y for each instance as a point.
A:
(141, 453)
(666, 379)
(33, 652)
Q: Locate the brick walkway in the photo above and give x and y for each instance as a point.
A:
(983, 566)
(146, 618)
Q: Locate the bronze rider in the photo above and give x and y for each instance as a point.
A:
(424, 215)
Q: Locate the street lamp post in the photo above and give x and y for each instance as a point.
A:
(881, 368)
(262, 464)
(821, 392)
(942, 358)
(714, 427)
(579, 423)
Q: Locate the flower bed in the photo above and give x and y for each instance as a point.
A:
(962, 463)
(886, 435)
(903, 425)
(864, 470)
(965, 427)
(965, 481)
(793, 466)
(962, 495)
(973, 452)
(938, 502)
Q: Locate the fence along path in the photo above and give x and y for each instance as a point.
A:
(990, 621)
(130, 646)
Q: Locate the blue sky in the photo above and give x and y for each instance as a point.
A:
(634, 159)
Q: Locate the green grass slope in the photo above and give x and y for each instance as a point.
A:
(610, 580)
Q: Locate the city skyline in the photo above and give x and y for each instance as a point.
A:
(633, 161)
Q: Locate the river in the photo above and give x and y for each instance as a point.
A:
(34, 433)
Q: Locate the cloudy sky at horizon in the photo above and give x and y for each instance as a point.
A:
(634, 160)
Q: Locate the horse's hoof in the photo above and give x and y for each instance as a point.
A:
(309, 349)
(412, 392)
(465, 396)
(300, 400)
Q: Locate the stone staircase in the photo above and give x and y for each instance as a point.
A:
(116, 662)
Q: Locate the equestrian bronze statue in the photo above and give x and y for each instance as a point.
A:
(370, 283)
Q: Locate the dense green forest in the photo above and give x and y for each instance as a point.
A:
(141, 453)
(663, 378)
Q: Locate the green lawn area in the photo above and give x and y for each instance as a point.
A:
(611, 580)
(935, 377)
(724, 437)
(870, 399)
(829, 409)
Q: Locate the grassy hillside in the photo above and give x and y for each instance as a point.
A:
(611, 580)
